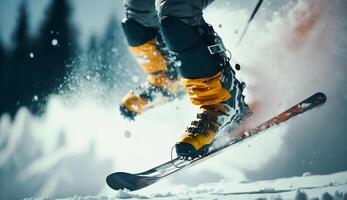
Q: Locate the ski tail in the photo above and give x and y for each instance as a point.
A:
(123, 180)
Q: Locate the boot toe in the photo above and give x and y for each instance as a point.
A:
(187, 150)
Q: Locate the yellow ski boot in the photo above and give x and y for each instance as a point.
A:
(153, 57)
(208, 79)
(221, 105)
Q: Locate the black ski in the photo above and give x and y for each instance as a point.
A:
(124, 180)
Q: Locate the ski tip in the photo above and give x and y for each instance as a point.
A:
(320, 96)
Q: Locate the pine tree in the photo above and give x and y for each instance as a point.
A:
(87, 63)
(18, 72)
(21, 36)
(2, 63)
(93, 55)
(117, 63)
(57, 45)
(107, 55)
(93, 44)
(2, 78)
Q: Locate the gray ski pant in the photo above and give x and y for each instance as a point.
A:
(148, 12)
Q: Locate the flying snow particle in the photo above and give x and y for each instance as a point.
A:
(178, 63)
(54, 42)
(31, 55)
(36, 98)
(127, 134)
(135, 79)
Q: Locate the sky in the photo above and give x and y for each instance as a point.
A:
(90, 16)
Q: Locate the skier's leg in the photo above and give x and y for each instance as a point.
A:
(189, 11)
(143, 11)
(141, 30)
(207, 75)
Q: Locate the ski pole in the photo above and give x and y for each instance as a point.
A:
(250, 19)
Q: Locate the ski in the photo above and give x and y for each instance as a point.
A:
(124, 180)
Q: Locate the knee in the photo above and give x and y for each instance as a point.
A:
(188, 11)
(190, 46)
(143, 11)
(136, 33)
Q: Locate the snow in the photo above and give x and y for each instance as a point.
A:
(127, 134)
(312, 187)
(68, 152)
(31, 55)
(54, 42)
(135, 79)
(123, 194)
(69, 162)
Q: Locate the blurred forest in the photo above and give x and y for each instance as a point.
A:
(36, 67)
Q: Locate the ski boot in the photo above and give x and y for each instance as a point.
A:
(209, 81)
(214, 116)
(154, 58)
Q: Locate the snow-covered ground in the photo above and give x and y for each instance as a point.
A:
(325, 187)
(68, 152)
